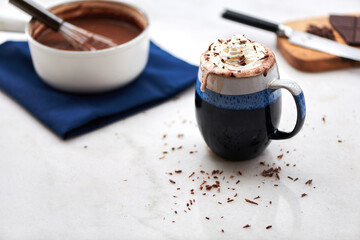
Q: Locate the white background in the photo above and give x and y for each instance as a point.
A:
(55, 189)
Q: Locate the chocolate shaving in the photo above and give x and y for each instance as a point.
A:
(210, 47)
(201, 185)
(280, 156)
(324, 32)
(242, 60)
(246, 226)
(271, 171)
(303, 195)
(252, 202)
(309, 182)
(264, 57)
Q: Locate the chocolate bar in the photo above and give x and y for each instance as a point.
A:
(348, 27)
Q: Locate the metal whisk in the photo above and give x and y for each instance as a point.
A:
(79, 38)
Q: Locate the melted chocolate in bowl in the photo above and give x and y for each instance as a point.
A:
(117, 21)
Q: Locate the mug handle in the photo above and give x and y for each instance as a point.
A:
(298, 96)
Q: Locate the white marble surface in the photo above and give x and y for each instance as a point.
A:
(117, 187)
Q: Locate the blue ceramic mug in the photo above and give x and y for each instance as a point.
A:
(238, 117)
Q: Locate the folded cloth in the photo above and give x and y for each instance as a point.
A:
(69, 115)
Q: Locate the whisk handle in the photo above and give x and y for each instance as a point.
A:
(38, 12)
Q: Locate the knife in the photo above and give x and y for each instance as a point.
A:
(296, 37)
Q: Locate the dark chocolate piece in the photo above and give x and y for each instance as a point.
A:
(348, 27)
(324, 32)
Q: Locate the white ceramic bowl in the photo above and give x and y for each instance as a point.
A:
(90, 71)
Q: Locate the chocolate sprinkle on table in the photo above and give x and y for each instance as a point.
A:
(246, 226)
(172, 181)
(303, 195)
(309, 182)
(252, 202)
(268, 227)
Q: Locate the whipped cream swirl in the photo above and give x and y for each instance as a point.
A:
(237, 53)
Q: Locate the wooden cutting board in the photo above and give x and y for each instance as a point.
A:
(310, 60)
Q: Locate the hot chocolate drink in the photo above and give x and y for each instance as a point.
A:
(118, 30)
(238, 106)
(117, 21)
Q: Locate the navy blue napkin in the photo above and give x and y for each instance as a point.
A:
(69, 115)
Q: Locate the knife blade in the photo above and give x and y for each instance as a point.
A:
(303, 39)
